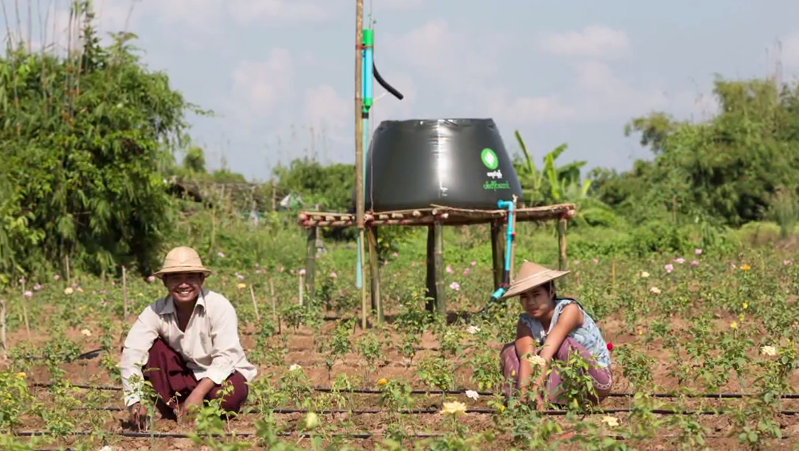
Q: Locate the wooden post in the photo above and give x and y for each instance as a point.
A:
(300, 286)
(310, 261)
(275, 318)
(3, 328)
(274, 196)
(563, 263)
(441, 304)
(124, 294)
(359, 200)
(512, 243)
(25, 312)
(254, 304)
(66, 266)
(374, 265)
(432, 289)
(497, 252)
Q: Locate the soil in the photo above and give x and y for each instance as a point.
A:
(302, 345)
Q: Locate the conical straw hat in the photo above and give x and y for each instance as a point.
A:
(531, 275)
(182, 259)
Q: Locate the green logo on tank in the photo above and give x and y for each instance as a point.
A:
(489, 158)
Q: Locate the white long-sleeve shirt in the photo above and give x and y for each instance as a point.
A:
(210, 345)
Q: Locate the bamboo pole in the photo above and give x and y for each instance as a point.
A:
(274, 304)
(512, 242)
(254, 304)
(496, 253)
(432, 295)
(25, 312)
(125, 293)
(310, 260)
(301, 284)
(441, 302)
(563, 263)
(3, 328)
(359, 200)
(374, 266)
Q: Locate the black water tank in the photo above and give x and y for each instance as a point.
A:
(412, 164)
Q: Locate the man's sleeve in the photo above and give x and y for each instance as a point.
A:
(136, 351)
(225, 338)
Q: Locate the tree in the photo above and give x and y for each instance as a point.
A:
(83, 139)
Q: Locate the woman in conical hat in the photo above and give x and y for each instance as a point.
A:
(187, 343)
(551, 328)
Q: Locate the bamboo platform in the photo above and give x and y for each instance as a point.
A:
(435, 218)
(434, 214)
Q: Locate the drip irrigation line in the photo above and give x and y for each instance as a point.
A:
(476, 411)
(85, 356)
(356, 435)
(481, 393)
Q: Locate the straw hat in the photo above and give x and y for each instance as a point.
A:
(531, 275)
(182, 259)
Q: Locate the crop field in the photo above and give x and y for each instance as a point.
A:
(704, 357)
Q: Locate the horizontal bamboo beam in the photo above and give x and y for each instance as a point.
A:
(445, 215)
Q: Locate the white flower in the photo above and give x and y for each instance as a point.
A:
(644, 274)
(68, 290)
(768, 350)
(311, 420)
(472, 394)
(86, 333)
(655, 290)
(294, 367)
(472, 329)
(610, 421)
(454, 407)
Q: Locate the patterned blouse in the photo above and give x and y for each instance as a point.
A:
(587, 335)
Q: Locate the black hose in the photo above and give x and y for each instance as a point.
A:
(385, 84)
(481, 393)
(553, 412)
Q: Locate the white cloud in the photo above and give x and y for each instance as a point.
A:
(324, 107)
(248, 11)
(398, 5)
(595, 41)
(790, 50)
(52, 26)
(441, 53)
(260, 86)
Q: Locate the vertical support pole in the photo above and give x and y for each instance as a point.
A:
(512, 242)
(359, 166)
(3, 328)
(374, 266)
(563, 263)
(124, 293)
(310, 261)
(432, 293)
(441, 303)
(497, 252)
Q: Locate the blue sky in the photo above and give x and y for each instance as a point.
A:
(279, 73)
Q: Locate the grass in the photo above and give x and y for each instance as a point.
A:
(704, 322)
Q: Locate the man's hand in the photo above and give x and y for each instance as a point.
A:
(189, 406)
(138, 415)
(195, 399)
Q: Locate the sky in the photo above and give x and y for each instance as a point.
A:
(279, 74)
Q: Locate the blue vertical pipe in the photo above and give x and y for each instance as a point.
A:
(508, 242)
(367, 82)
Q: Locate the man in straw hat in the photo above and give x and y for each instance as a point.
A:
(550, 328)
(188, 344)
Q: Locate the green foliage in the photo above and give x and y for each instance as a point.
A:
(735, 168)
(83, 139)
